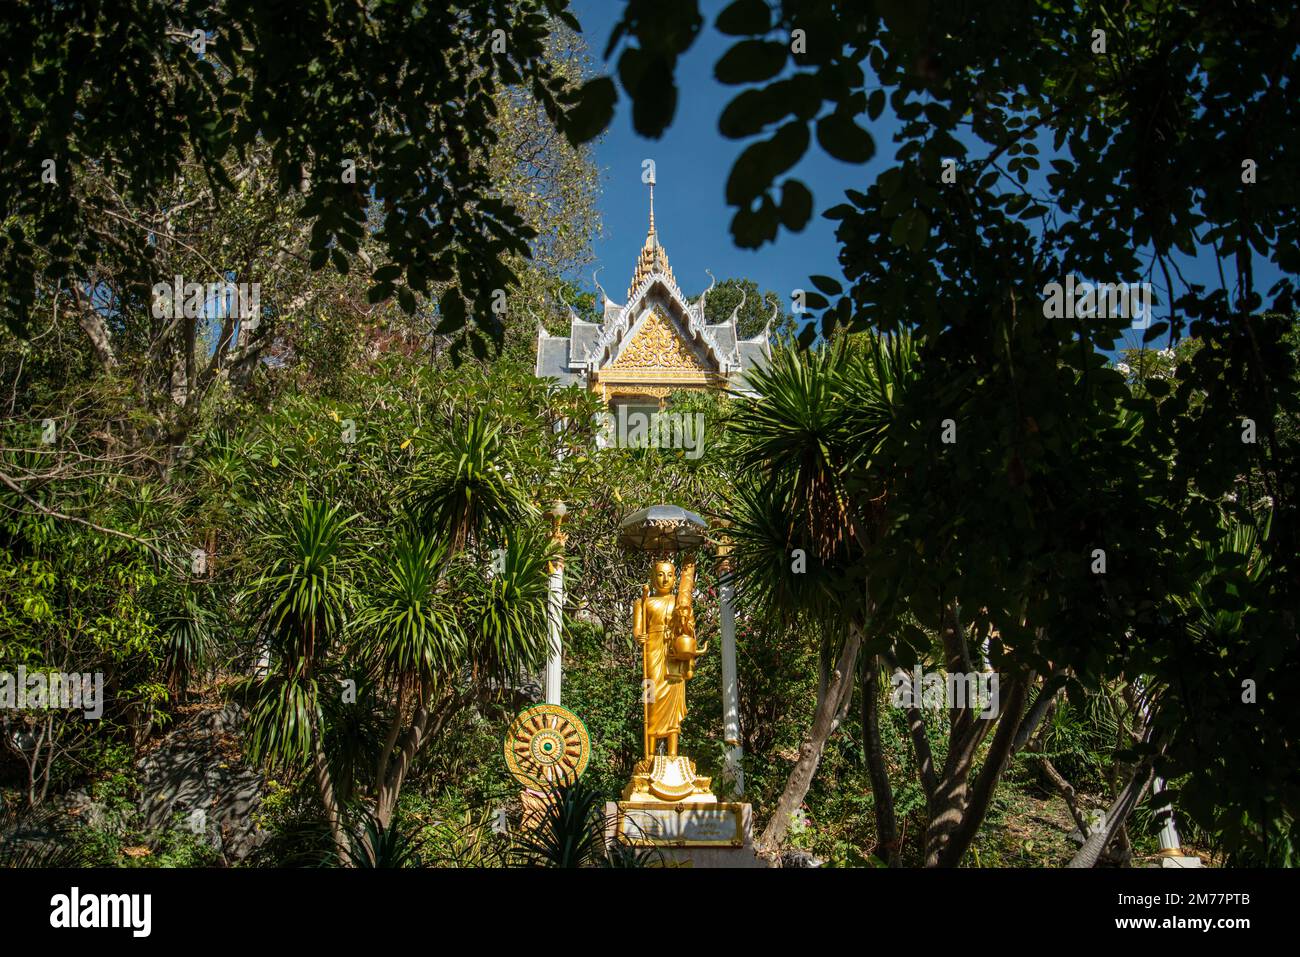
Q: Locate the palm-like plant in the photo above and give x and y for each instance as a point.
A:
(191, 637)
(437, 609)
(40, 838)
(298, 610)
(507, 608)
(413, 638)
(813, 441)
(300, 602)
(412, 630)
(792, 439)
(383, 846)
(764, 545)
(465, 492)
(282, 718)
(570, 832)
(874, 384)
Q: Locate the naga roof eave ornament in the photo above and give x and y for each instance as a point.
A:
(698, 305)
(698, 332)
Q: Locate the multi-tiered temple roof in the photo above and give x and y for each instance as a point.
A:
(658, 342)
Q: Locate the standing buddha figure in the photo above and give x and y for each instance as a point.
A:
(663, 623)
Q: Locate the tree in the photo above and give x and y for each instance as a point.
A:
(132, 389)
(431, 628)
(299, 609)
(957, 241)
(333, 91)
(802, 528)
(755, 312)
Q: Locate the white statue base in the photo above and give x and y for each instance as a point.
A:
(686, 833)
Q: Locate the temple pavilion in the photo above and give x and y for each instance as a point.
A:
(654, 344)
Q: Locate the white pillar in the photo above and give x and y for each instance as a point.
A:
(733, 768)
(1169, 840)
(554, 613)
(555, 607)
(1169, 833)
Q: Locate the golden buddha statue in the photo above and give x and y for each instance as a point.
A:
(663, 623)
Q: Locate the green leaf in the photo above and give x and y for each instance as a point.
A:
(406, 299)
(796, 205)
(875, 104)
(910, 229)
(845, 140)
(753, 227)
(1155, 331)
(452, 309)
(654, 96)
(762, 162)
(478, 346)
(751, 61)
(753, 110)
(594, 110)
(827, 285)
(744, 18)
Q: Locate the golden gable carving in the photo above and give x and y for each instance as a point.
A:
(658, 345)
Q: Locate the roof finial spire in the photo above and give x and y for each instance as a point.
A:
(653, 258)
(652, 207)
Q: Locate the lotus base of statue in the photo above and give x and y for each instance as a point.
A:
(669, 779)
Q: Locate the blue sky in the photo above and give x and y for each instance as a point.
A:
(693, 161)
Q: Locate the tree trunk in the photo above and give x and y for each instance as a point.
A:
(325, 785)
(946, 810)
(881, 789)
(948, 802)
(830, 706)
(92, 324)
(390, 786)
(425, 726)
(981, 794)
(1097, 842)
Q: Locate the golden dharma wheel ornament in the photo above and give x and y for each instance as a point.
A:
(547, 745)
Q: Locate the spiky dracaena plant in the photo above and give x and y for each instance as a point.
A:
(297, 610)
(383, 846)
(811, 442)
(506, 608)
(191, 637)
(40, 838)
(413, 639)
(410, 622)
(571, 832)
(466, 491)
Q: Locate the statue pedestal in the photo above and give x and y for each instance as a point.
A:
(662, 778)
(691, 833)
